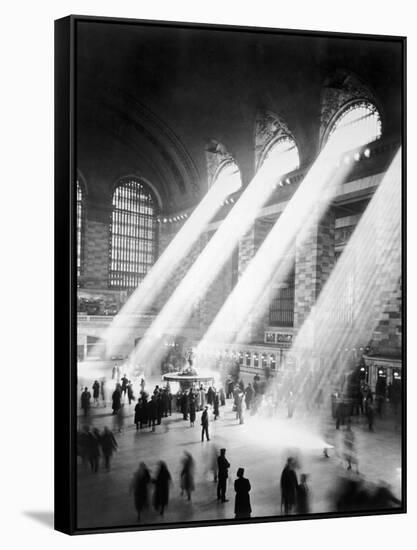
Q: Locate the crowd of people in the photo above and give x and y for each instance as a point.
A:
(151, 407)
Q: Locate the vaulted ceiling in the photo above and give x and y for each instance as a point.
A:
(150, 97)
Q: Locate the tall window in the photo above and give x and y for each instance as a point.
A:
(358, 124)
(281, 309)
(80, 228)
(132, 234)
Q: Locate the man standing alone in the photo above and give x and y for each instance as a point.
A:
(204, 424)
(223, 465)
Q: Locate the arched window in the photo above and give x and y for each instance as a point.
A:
(357, 125)
(281, 155)
(132, 234)
(80, 228)
(228, 177)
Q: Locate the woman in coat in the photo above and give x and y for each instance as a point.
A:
(161, 494)
(139, 487)
(242, 500)
(187, 475)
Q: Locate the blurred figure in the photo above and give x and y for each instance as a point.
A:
(242, 500)
(222, 397)
(103, 391)
(290, 404)
(383, 498)
(211, 464)
(85, 401)
(370, 412)
(120, 419)
(125, 382)
(93, 449)
(152, 412)
(223, 465)
(139, 418)
(289, 486)
(82, 445)
(352, 495)
(303, 496)
(129, 389)
(248, 396)
(216, 403)
(205, 424)
(96, 392)
(139, 487)
(239, 407)
(161, 493)
(116, 399)
(187, 475)
(350, 447)
(108, 446)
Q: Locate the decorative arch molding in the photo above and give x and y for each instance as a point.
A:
(342, 89)
(217, 158)
(269, 128)
(175, 164)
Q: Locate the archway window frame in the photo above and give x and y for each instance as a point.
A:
(270, 146)
(224, 165)
(348, 107)
(133, 237)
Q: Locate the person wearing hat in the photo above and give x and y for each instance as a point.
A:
(223, 466)
(204, 424)
(242, 500)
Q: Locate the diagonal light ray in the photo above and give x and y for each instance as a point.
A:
(208, 265)
(271, 262)
(372, 258)
(122, 329)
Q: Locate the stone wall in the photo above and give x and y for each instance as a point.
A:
(314, 261)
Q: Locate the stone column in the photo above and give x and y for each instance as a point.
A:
(314, 261)
(248, 246)
(96, 248)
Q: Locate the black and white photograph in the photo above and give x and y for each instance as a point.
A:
(237, 274)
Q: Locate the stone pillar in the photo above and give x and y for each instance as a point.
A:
(314, 261)
(96, 248)
(248, 246)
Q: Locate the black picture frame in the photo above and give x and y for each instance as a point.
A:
(66, 269)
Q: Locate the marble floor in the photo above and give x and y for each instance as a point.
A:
(261, 446)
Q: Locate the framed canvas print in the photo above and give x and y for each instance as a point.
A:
(229, 274)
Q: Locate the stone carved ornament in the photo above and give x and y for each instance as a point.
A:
(339, 89)
(269, 127)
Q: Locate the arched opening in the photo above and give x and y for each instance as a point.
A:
(132, 233)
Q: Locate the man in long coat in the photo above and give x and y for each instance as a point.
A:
(223, 466)
(85, 401)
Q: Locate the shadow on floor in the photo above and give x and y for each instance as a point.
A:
(45, 518)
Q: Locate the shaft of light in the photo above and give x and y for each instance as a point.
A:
(372, 259)
(271, 263)
(122, 328)
(208, 265)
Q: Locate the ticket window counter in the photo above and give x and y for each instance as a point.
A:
(272, 363)
(247, 359)
(256, 360)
